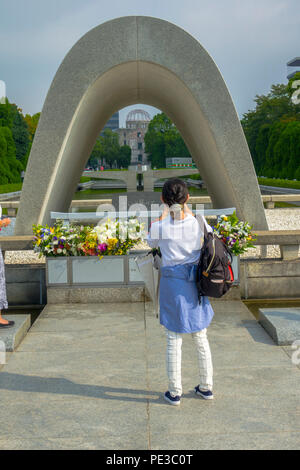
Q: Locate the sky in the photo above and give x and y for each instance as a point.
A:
(249, 40)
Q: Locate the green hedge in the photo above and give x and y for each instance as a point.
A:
(279, 183)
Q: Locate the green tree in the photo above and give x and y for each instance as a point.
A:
(96, 154)
(271, 167)
(10, 167)
(124, 157)
(20, 132)
(261, 146)
(5, 175)
(175, 145)
(263, 127)
(32, 123)
(15, 166)
(5, 114)
(107, 148)
(163, 140)
(287, 150)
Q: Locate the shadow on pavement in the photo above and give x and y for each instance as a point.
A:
(61, 386)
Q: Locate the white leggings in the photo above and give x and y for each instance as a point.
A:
(173, 361)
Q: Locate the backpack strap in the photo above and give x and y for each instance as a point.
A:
(202, 225)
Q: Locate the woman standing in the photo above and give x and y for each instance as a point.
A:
(3, 300)
(178, 235)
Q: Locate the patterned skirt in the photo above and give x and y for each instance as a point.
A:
(180, 309)
(3, 299)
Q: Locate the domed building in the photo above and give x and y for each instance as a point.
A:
(133, 134)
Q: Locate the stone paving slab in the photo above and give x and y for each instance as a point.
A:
(93, 376)
(4, 359)
(283, 324)
(230, 441)
(12, 337)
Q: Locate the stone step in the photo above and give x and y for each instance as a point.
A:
(282, 324)
(12, 337)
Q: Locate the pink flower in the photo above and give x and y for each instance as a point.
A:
(102, 247)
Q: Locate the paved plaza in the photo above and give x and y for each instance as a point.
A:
(91, 376)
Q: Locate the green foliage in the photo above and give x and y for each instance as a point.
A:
(20, 132)
(10, 167)
(163, 140)
(279, 183)
(13, 141)
(124, 157)
(15, 167)
(107, 148)
(272, 132)
(287, 150)
(5, 115)
(10, 188)
(32, 122)
(84, 179)
(196, 176)
(96, 154)
(4, 168)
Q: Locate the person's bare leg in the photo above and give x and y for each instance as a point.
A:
(2, 320)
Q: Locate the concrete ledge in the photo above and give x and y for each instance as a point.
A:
(282, 324)
(12, 337)
(269, 278)
(92, 295)
(16, 243)
(262, 268)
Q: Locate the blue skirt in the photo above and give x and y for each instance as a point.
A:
(180, 310)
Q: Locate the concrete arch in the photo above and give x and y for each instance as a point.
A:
(137, 60)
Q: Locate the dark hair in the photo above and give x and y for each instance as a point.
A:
(174, 191)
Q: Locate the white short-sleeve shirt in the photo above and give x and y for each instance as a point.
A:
(179, 241)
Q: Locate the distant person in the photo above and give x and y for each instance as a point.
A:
(179, 236)
(22, 175)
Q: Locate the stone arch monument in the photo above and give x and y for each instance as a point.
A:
(131, 60)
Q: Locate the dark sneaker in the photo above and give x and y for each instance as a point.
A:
(173, 400)
(10, 324)
(207, 395)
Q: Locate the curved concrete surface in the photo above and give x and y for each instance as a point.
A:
(132, 60)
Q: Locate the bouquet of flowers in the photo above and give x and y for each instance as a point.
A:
(116, 237)
(235, 234)
(4, 223)
(107, 238)
(58, 240)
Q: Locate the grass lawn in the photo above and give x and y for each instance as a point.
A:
(10, 188)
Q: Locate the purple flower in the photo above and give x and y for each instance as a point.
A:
(102, 247)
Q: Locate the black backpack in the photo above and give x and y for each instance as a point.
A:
(214, 272)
